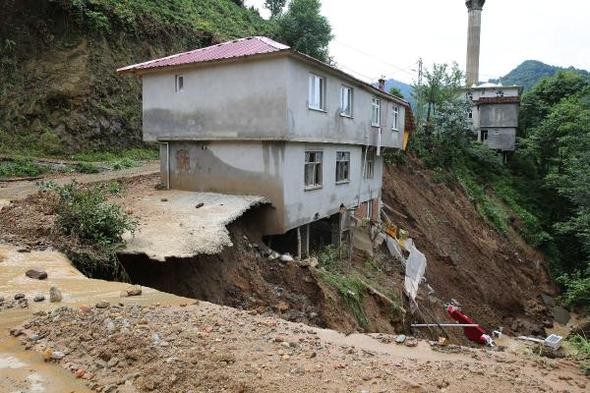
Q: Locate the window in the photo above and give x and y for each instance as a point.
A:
(369, 163)
(342, 167)
(317, 92)
(376, 112)
(470, 114)
(346, 101)
(313, 169)
(484, 135)
(395, 126)
(179, 83)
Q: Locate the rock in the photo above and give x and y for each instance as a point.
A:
(39, 298)
(36, 274)
(400, 339)
(273, 255)
(80, 372)
(313, 262)
(23, 249)
(411, 342)
(1, 299)
(164, 200)
(199, 205)
(19, 296)
(57, 355)
(84, 309)
(55, 295)
(134, 291)
(282, 306)
(561, 315)
(102, 304)
(287, 258)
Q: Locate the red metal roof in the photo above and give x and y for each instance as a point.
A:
(242, 47)
(498, 100)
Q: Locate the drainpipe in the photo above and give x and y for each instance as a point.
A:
(167, 165)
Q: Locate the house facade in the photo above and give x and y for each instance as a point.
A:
(494, 114)
(252, 116)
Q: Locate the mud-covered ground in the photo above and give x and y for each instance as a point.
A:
(208, 348)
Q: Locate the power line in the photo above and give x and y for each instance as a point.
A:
(375, 58)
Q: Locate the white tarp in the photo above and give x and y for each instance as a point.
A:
(415, 268)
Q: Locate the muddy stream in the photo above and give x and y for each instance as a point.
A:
(26, 371)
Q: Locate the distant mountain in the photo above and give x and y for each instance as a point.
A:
(530, 72)
(403, 87)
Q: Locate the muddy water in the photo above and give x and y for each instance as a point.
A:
(25, 371)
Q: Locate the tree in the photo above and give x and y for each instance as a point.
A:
(304, 29)
(394, 91)
(275, 6)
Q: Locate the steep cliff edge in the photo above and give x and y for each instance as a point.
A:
(498, 279)
(58, 88)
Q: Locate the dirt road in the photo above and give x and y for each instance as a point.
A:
(12, 191)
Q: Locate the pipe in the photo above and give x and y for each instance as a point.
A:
(420, 325)
(167, 165)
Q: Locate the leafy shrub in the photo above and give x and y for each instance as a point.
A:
(49, 143)
(21, 167)
(124, 163)
(577, 289)
(87, 215)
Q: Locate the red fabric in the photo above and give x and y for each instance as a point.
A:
(475, 333)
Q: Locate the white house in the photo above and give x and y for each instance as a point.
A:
(252, 116)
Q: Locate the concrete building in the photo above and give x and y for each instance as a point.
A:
(494, 114)
(494, 108)
(252, 116)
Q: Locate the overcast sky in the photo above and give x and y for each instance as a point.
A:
(386, 37)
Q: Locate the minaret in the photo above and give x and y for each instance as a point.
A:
(473, 33)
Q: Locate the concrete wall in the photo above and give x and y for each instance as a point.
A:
(248, 168)
(264, 99)
(330, 126)
(498, 115)
(274, 170)
(302, 205)
(501, 138)
(246, 100)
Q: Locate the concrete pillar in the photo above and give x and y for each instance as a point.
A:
(474, 8)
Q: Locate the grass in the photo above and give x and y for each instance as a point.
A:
(581, 346)
(122, 157)
(352, 291)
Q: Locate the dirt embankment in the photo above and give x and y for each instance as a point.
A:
(497, 279)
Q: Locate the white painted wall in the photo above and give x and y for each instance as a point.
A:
(302, 205)
(315, 126)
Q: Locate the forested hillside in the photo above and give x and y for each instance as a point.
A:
(542, 193)
(58, 88)
(530, 72)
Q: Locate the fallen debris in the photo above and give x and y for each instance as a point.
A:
(55, 295)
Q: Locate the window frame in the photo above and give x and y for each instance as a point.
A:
(350, 98)
(322, 93)
(318, 171)
(179, 83)
(342, 157)
(376, 110)
(395, 125)
(369, 164)
(482, 133)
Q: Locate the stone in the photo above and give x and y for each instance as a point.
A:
(57, 355)
(79, 373)
(36, 274)
(102, 304)
(39, 298)
(199, 205)
(287, 258)
(23, 249)
(134, 291)
(411, 342)
(19, 296)
(400, 339)
(55, 295)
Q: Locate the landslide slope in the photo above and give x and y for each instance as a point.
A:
(58, 88)
(498, 279)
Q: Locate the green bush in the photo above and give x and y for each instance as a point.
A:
(87, 215)
(577, 289)
(21, 167)
(49, 143)
(124, 164)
